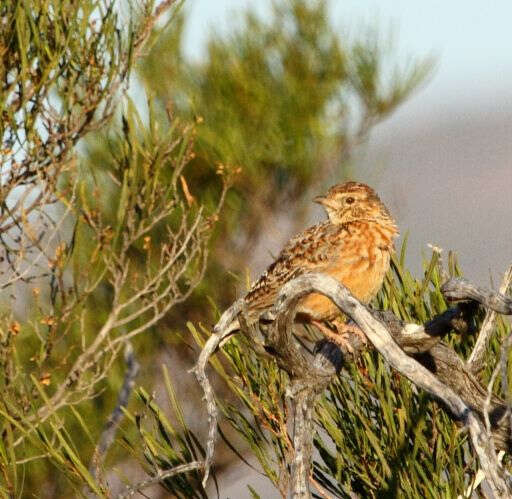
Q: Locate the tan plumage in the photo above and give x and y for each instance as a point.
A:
(354, 246)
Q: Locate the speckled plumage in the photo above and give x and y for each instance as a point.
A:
(354, 246)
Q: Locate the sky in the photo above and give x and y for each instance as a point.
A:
(471, 39)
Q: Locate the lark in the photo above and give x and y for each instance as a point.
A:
(353, 245)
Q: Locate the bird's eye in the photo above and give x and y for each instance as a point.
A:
(349, 200)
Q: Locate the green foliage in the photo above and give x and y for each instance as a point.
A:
(62, 64)
(377, 435)
(61, 60)
(64, 353)
(178, 446)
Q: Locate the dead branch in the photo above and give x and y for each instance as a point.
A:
(303, 403)
(382, 340)
(159, 477)
(430, 365)
(477, 355)
(109, 432)
(461, 289)
(220, 332)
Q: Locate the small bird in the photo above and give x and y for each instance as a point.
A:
(353, 245)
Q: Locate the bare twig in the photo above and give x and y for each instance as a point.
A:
(461, 289)
(476, 358)
(220, 332)
(131, 490)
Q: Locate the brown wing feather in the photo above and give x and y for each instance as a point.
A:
(306, 252)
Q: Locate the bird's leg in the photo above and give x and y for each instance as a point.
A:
(346, 329)
(339, 338)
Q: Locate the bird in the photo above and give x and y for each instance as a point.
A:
(353, 245)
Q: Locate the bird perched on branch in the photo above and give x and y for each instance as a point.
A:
(353, 245)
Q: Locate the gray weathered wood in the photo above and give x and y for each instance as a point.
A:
(416, 351)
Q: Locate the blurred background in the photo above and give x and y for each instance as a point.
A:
(443, 160)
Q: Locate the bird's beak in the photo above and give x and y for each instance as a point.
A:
(324, 201)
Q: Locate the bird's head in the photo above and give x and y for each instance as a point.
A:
(354, 201)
